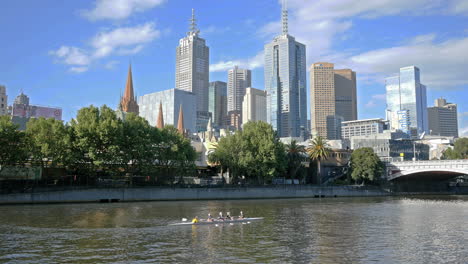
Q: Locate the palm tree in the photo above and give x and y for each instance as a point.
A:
(318, 151)
(294, 154)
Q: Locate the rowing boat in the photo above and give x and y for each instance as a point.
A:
(216, 221)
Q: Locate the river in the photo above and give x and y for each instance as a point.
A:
(326, 230)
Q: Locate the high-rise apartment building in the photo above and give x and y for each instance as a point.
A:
(443, 118)
(345, 94)
(192, 65)
(332, 97)
(171, 101)
(254, 105)
(285, 83)
(217, 102)
(3, 101)
(406, 93)
(238, 81)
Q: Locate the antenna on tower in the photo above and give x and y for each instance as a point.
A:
(284, 17)
(193, 24)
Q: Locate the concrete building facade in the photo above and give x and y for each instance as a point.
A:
(345, 94)
(443, 119)
(254, 105)
(171, 100)
(363, 127)
(238, 81)
(192, 66)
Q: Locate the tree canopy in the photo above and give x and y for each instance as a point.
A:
(365, 165)
(459, 151)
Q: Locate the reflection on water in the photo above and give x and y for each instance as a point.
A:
(334, 230)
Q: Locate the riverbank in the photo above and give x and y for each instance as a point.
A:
(177, 194)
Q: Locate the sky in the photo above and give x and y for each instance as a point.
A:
(72, 54)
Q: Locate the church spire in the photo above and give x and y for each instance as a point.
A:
(180, 121)
(284, 17)
(160, 123)
(128, 101)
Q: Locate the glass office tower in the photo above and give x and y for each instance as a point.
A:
(406, 93)
(285, 84)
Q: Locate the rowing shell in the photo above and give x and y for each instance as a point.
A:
(215, 221)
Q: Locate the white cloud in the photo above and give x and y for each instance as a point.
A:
(119, 41)
(463, 132)
(443, 65)
(71, 55)
(118, 9)
(375, 100)
(111, 64)
(78, 69)
(124, 40)
(250, 63)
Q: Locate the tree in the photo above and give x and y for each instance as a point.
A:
(254, 152)
(12, 143)
(459, 151)
(49, 141)
(96, 136)
(318, 151)
(294, 155)
(365, 165)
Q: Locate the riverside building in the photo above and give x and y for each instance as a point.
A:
(3, 101)
(238, 80)
(254, 105)
(171, 101)
(443, 120)
(407, 102)
(364, 127)
(217, 102)
(285, 83)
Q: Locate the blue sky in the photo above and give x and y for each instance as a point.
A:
(76, 53)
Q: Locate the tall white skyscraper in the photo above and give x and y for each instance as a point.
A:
(407, 102)
(254, 105)
(192, 65)
(238, 81)
(285, 83)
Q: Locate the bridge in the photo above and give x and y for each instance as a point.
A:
(426, 169)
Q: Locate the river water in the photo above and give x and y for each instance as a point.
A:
(327, 230)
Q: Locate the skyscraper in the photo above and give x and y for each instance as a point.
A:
(192, 65)
(332, 98)
(254, 105)
(238, 81)
(217, 102)
(3, 101)
(322, 97)
(285, 83)
(443, 118)
(406, 93)
(128, 103)
(345, 94)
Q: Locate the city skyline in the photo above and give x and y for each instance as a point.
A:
(57, 83)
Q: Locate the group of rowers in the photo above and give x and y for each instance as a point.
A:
(220, 217)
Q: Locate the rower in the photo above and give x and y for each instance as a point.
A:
(195, 220)
(228, 216)
(221, 216)
(241, 216)
(210, 219)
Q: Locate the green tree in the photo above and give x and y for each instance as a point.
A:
(318, 151)
(365, 165)
(12, 143)
(96, 136)
(295, 155)
(459, 151)
(49, 142)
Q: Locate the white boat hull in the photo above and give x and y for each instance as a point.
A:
(216, 221)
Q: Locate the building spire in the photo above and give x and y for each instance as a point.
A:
(160, 123)
(284, 17)
(128, 101)
(193, 25)
(180, 121)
